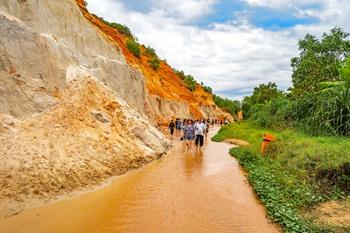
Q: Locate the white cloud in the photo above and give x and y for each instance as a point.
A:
(186, 9)
(281, 3)
(227, 56)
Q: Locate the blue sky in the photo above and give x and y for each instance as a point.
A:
(231, 45)
(272, 19)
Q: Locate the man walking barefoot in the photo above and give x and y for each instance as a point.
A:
(200, 130)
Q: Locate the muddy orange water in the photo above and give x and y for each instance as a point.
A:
(182, 192)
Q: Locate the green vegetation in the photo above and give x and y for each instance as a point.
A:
(261, 94)
(180, 73)
(297, 172)
(319, 61)
(133, 47)
(120, 27)
(154, 60)
(190, 82)
(318, 103)
(154, 63)
(151, 51)
(232, 106)
(207, 89)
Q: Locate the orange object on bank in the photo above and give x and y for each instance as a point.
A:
(266, 140)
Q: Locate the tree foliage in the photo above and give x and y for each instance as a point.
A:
(261, 94)
(232, 106)
(319, 60)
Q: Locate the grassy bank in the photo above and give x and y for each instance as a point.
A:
(297, 172)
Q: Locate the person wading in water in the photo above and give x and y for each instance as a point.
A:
(171, 127)
(178, 126)
(189, 131)
(200, 129)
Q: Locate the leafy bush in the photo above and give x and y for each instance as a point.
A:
(180, 73)
(208, 89)
(122, 29)
(154, 63)
(151, 51)
(133, 47)
(190, 83)
(327, 112)
(276, 113)
(188, 80)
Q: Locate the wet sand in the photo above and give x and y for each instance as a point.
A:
(182, 192)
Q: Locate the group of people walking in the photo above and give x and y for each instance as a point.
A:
(193, 132)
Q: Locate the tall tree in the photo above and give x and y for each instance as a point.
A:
(261, 94)
(319, 60)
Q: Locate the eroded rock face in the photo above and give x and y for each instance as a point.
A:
(39, 40)
(87, 137)
(161, 110)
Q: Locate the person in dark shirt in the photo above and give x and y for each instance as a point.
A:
(172, 127)
(178, 126)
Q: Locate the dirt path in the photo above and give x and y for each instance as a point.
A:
(182, 192)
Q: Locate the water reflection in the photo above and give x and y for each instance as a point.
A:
(193, 163)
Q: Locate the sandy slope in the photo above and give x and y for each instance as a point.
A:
(89, 136)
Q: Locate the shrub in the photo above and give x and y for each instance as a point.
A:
(190, 83)
(122, 29)
(154, 63)
(276, 113)
(208, 89)
(327, 112)
(151, 51)
(133, 47)
(180, 73)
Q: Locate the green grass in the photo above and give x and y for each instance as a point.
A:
(297, 172)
